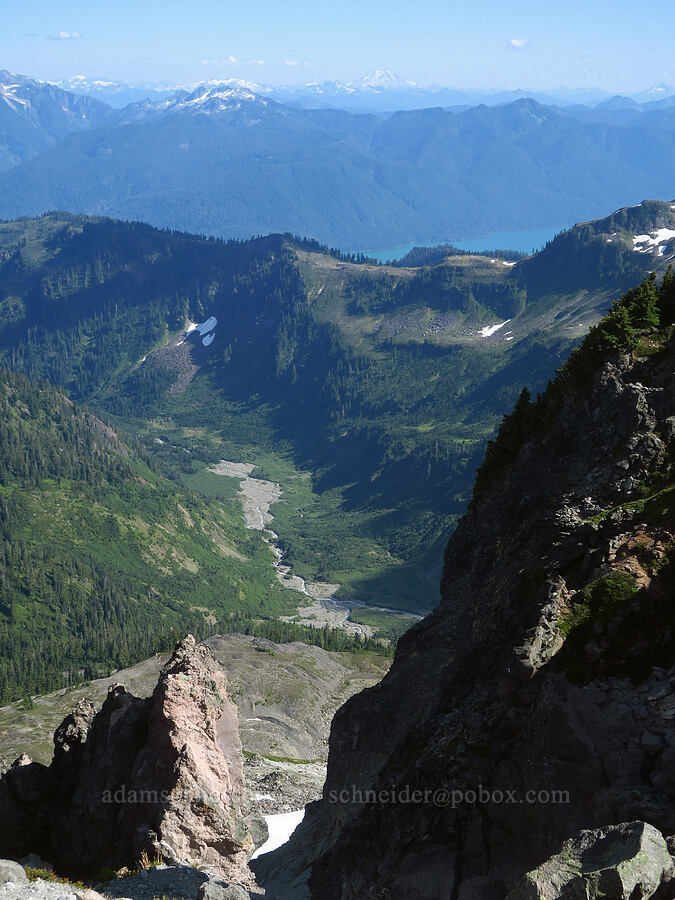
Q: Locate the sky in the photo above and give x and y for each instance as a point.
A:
(614, 45)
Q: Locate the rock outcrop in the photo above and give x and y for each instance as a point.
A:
(539, 698)
(622, 862)
(161, 776)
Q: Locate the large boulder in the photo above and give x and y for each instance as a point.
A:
(619, 862)
(217, 890)
(12, 872)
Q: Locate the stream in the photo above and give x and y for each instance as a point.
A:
(257, 495)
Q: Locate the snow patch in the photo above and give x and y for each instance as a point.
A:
(491, 329)
(507, 263)
(202, 328)
(280, 826)
(644, 243)
(9, 95)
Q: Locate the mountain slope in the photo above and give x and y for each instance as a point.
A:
(223, 160)
(35, 115)
(537, 700)
(382, 382)
(104, 558)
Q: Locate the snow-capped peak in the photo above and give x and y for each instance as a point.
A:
(16, 90)
(209, 99)
(242, 83)
(45, 104)
(383, 79)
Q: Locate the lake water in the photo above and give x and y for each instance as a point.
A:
(525, 241)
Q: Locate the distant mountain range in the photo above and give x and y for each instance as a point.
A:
(226, 160)
(116, 93)
(34, 115)
(379, 91)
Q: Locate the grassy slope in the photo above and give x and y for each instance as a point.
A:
(106, 559)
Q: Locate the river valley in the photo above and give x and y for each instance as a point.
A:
(320, 606)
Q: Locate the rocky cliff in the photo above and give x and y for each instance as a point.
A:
(161, 776)
(539, 698)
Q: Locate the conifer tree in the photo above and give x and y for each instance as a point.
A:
(667, 298)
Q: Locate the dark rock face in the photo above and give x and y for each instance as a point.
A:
(162, 776)
(539, 698)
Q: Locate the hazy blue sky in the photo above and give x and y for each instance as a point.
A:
(612, 44)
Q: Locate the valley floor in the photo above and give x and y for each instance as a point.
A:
(318, 608)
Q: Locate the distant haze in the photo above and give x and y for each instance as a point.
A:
(616, 47)
(380, 91)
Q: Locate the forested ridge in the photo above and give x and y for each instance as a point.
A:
(638, 321)
(367, 390)
(103, 559)
(370, 376)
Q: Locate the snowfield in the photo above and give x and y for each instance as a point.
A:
(491, 329)
(281, 826)
(205, 329)
(643, 243)
(9, 95)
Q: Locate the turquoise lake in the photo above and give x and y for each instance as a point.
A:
(525, 241)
